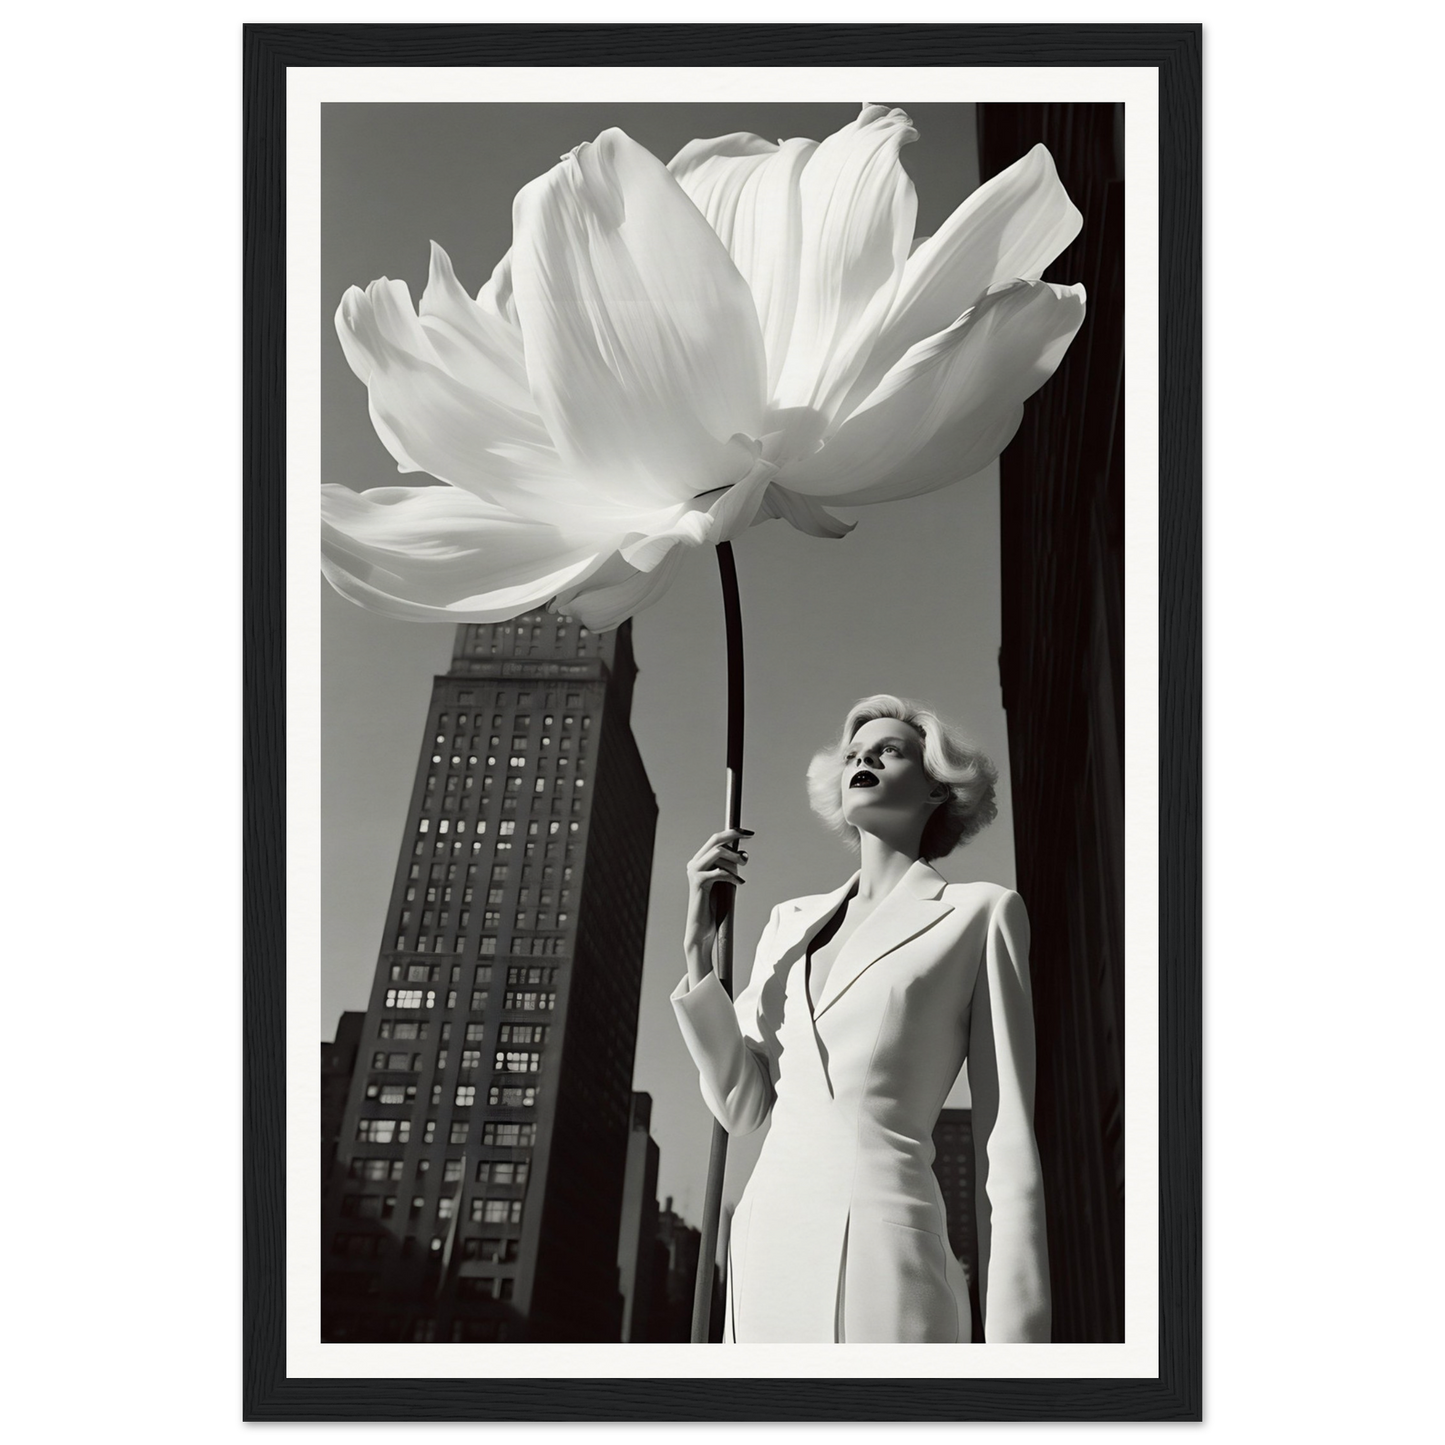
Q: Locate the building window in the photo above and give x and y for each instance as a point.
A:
(391, 1093)
(446, 1207)
(530, 1001)
(375, 1169)
(496, 1251)
(507, 1096)
(475, 1032)
(523, 1034)
(401, 1029)
(479, 1000)
(502, 1171)
(496, 1211)
(471, 1059)
(466, 1095)
(410, 998)
(514, 1061)
(429, 1133)
(515, 1136)
(383, 1131)
(458, 1133)
(531, 973)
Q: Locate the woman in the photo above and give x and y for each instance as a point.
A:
(862, 1007)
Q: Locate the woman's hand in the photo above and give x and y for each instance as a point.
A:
(717, 861)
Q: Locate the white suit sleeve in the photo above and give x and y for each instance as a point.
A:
(1008, 1182)
(725, 1042)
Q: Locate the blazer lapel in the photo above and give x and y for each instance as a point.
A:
(913, 906)
(809, 915)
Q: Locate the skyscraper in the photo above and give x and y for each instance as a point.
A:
(953, 1163)
(477, 1191)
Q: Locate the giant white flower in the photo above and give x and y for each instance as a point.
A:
(669, 354)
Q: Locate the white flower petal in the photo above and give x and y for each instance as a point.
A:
(643, 349)
(857, 211)
(1009, 229)
(749, 190)
(616, 591)
(495, 297)
(439, 552)
(431, 421)
(803, 513)
(478, 346)
(706, 520)
(951, 404)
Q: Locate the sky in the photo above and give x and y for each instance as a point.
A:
(907, 603)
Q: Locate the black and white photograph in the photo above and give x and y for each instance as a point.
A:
(722, 688)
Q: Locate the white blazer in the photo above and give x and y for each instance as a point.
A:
(841, 1232)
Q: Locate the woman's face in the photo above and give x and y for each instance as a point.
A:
(883, 782)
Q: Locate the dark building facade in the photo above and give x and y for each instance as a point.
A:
(1061, 669)
(675, 1252)
(953, 1163)
(477, 1191)
(635, 1258)
(338, 1061)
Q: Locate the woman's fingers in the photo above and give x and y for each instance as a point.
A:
(719, 875)
(712, 851)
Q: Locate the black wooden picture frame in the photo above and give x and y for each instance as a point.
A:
(1175, 1394)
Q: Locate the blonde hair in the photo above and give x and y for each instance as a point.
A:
(948, 758)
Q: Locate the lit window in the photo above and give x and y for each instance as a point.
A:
(516, 760)
(512, 1097)
(466, 1095)
(488, 945)
(375, 1169)
(443, 826)
(403, 998)
(479, 1000)
(446, 1207)
(475, 1032)
(424, 825)
(471, 1058)
(502, 1171)
(383, 1131)
(516, 1061)
(428, 1134)
(458, 1133)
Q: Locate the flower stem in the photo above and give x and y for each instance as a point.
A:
(723, 898)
